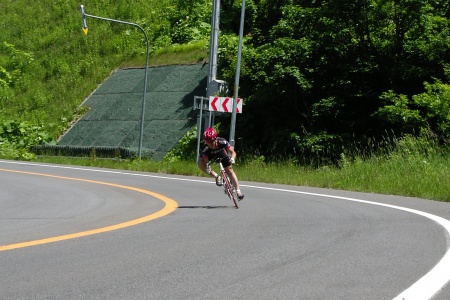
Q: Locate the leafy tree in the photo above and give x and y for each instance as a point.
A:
(424, 112)
(230, 17)
(190, 20)
(319, 67)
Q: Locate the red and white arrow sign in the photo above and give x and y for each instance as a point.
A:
(224, 104)
(212, 103)
(239, 105)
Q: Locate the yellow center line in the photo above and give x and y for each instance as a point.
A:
(170, 206)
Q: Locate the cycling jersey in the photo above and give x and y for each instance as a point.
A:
(220, 151)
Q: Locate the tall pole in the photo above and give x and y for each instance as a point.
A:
(213, 53)
(237, 75)
(85, 30)
(212, 60)
(213, 46)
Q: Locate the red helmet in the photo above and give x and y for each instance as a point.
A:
(209, 134)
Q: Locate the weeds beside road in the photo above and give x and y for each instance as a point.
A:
(408, 170)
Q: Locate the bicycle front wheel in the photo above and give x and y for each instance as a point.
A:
(229, 190)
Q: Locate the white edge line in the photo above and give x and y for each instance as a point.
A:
(431, 283)
(425, 288)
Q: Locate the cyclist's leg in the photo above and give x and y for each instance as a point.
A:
(234, 181)
(232, 176)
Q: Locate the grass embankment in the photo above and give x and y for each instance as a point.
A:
(177, 54)
(405, 171)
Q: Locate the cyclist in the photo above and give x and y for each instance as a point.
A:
(219, 147)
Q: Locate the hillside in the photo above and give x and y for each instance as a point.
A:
(114, 117)
(51, 66)
(319, 79)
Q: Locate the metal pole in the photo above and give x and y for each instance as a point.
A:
(83, 17)
(213, 51)
(236, 77)
(213, 47)
(199, 129)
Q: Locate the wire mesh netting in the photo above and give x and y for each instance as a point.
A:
(115, 111)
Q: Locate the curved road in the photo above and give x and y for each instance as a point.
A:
(86, 233)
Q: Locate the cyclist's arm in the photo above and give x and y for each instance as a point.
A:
(201, 163)
(231, 152)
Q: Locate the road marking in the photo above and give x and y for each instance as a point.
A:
(425, 288)
(432, 282)
(170, 206)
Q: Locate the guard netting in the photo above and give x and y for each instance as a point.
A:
(111, 127)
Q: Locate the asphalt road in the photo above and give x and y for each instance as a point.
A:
(85, 233)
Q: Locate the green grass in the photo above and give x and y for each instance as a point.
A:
(418, 177)
(56, 66)
(176, 54)
(403, 172)
(413, 176)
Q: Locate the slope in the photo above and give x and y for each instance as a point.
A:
(114, 116)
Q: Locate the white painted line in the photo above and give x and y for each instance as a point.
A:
(101, 171)
(432, 282)
(425, 288)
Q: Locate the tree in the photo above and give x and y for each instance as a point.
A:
(422, 113)
(319, 68)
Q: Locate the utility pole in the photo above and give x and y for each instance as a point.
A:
(85, 30)
(236, 77)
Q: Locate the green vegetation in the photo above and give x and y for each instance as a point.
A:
(195, 52)
(16, 139)
(48, 66)
(352, 94)
(320, 76)
(414, 167)
(407, 171)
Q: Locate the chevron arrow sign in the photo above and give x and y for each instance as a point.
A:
(224, 104)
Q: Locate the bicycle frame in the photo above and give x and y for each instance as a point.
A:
(228, 187)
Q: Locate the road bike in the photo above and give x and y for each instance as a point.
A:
(226, 183)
